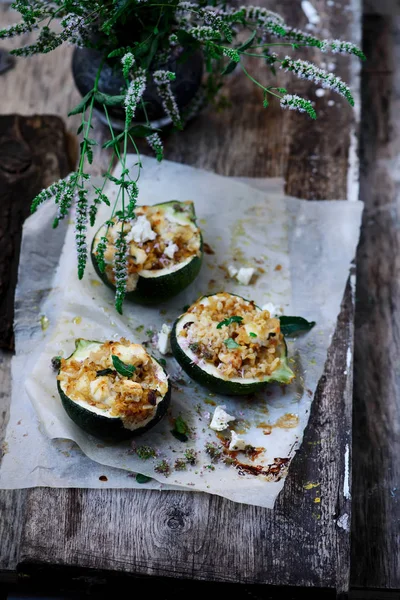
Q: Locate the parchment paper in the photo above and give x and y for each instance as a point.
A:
(303, 251)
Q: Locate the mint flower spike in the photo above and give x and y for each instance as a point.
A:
(127, 61)
(80, 230)
(135, 91)
(155, 143)
(339, 47)
(120, 269)
(163, 80)
(293, 102)
(306, 70)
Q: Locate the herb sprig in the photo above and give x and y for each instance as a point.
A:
(229, 321)
(139, 37)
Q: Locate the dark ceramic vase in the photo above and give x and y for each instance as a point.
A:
(85, 64)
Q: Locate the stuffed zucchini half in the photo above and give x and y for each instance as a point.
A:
(165, 251)
(113, 390)
(230, 346)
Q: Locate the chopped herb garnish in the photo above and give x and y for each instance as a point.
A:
(145, 452)
(104, 372)
(56, 363)
(191, 456)
(210, 467)
(180, 464)
(142, 478)
(251, 334)
(180, 430)
(213, 450)
(290, 325)
(194, 347)
(149, 332)
(229, 321)
(122, 368)
(162, 362)
(231, 344)
(228, 460)
(139, 328)
(163, 468)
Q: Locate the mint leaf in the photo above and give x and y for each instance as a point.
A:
(104, 372)
(180, 430)
(291, 325)
(122, 368)
(229, 321)
(231, 344)
(142, 478)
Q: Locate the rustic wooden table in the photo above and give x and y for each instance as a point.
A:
(200, 537)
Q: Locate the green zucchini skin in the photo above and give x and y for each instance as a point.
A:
(108, 429)
(155, 290)
(105, 428)
(223, 386)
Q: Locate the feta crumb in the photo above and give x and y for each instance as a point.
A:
(237, 443)
(164, 340)
(245, 274)
(232, 271)
(141, 231)
(170, 250)
(273, 310)
(220, 419)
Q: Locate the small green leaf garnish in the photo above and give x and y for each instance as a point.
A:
(291, 325)
(229, 321)
(104, 372)
(251, 334)
(142, 478)
(56, 363)
(162, 362)
(139, 328)
(180, 430)
(122, 368)
(231, 344)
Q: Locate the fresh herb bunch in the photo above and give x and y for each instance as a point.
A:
(140, 35)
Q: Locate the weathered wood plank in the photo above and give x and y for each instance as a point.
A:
(376, 482)
(33, 154)
(11, 501)
(179, 534)
(196, 535)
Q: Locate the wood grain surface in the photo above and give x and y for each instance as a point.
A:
(33, 154)
(188, 535)
(376, 478)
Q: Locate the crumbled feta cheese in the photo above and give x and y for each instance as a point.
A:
(273, 310)
(237, 443)
(131, 282)
(220, 419)
(170, 250)
(141, 231)
(232, 271)
(245, 274)
(164, 339)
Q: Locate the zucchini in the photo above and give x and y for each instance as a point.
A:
(243, 330)
(155, 274)
(100, 400)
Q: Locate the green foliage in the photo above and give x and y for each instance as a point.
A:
(138, 38)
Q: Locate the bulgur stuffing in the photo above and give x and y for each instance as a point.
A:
(247, 347)
(159, 243)
(133, 399)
